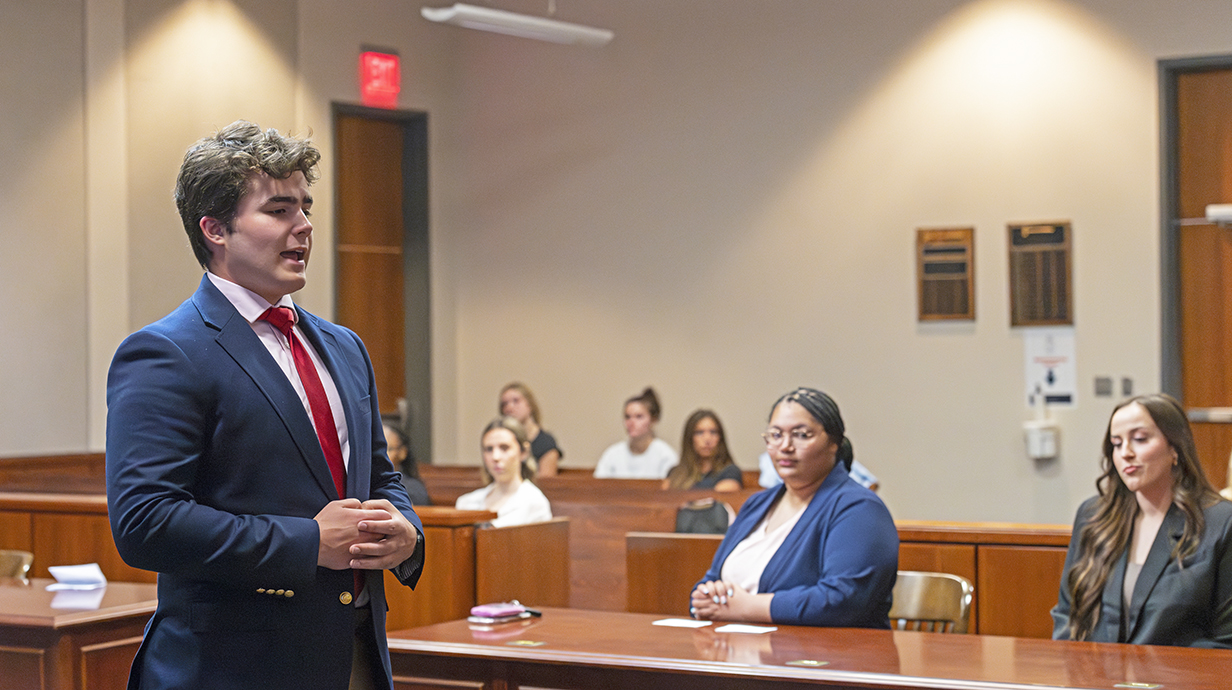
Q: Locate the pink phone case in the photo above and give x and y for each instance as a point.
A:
(497, 610)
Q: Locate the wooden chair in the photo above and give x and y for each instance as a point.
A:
(15, 564)
(931, 602)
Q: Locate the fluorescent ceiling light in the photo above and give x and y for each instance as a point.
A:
(513, 24)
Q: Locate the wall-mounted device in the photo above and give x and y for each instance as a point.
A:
(1042, 434)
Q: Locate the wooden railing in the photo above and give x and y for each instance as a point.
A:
(55, 507)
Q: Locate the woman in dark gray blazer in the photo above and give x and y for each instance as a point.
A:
(1150, 559)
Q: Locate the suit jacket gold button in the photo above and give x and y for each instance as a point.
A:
(289, 593)
(260, 590)
(345, 597)
(280, 592)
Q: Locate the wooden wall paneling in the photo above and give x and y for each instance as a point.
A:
(1017, 587)
(73, 538)
(529, 563)
(662, 568)
(15, 531)
(64, 474)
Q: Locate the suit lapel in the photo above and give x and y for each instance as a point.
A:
(235, 336)
(1156, 561)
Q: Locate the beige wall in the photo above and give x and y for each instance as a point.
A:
(42, 219)
(721, 202)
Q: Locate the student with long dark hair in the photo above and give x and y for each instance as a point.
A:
(1150, 559)
(705, 462)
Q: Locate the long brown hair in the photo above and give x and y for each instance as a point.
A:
(525, 392)
(1104, 538)
(689, 471)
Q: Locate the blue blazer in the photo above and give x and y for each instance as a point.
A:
(838, 565)
(214, 474)
(1189, 606)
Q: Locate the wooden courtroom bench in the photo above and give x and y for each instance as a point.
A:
(465, 565)
(1016, 569)
(601, 512)
(1008, 564)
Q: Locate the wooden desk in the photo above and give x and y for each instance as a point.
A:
(81, 649)
(1016, 569)
(591, 649)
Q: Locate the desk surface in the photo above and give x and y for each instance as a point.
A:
(31, 605)
(572, 648)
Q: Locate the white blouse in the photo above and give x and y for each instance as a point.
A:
(746, 562)
(526, 505)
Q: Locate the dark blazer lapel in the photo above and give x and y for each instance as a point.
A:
(1156, 561)
(359, 474)
(236, 337)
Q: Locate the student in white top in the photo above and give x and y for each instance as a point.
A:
(508, 469)
(641, 456)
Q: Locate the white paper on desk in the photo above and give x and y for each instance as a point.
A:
(742, 628)
(79, 598)
(681, 623)
(88, 576)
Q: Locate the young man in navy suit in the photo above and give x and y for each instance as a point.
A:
(246, 462)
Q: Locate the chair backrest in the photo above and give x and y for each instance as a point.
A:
(704, 516)
(15, 563)
(932, 602)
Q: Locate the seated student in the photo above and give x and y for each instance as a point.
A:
(817, 550)
(1150, 557)
(642, 456)
(398, 447)
(705, 462)
(518, 402)
(507, 468)
(769, 478)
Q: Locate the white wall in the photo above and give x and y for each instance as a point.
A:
(43, 328)
(722, 202)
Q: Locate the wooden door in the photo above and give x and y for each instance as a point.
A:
(382, 278)
(1203, 155)
(369, 269)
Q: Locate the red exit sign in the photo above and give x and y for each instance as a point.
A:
(380, 79)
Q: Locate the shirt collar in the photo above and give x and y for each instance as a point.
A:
(249, 304)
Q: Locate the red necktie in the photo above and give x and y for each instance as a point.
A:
(283, 318)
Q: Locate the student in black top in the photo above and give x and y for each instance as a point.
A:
(400, 455)
(518, 402)
(705, 462)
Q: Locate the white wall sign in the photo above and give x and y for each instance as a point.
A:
(1050, 365)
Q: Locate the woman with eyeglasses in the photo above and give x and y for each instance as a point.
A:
(817, 550)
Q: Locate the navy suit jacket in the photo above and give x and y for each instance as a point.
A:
(214, 474)
(838, 564)
(1185, 606)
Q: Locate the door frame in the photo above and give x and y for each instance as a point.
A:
(1169, 212)
(416, 265)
